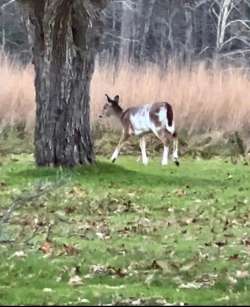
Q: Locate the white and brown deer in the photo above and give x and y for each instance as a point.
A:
(154, 118)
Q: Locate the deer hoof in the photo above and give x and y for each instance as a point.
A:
(113, 160)
(177, 163)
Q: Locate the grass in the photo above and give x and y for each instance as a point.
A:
(125, 233)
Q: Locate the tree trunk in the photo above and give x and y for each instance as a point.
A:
(64, 35)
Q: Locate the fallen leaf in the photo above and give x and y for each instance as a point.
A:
(83, 300)
(187, 267)
(46, 248)
(224, 298)
(18, 254)
(160, 265)
(69, 209)
(232, 280)
(221, 243)
(180, 192)
(75, 281)
(242, 274)
(70, 250)
(191, 285)
(245, 241)
(234, 257)
(3, 184)
(98, 269)
(47, 290)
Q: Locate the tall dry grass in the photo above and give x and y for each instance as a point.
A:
(203, 99)
(17, 94)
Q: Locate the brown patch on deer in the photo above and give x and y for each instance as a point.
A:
(170, 114)
(125, 119)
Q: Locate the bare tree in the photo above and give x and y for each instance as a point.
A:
(232, 26)
(12, 36)
(157, 31)
(64, 35)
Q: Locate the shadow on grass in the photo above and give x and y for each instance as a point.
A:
(104, 173)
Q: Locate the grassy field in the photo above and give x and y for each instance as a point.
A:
(125, 233)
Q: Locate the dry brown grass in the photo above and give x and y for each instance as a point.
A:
(17, 94)
(203, 100)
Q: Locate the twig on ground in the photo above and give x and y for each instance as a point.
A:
(29, 197)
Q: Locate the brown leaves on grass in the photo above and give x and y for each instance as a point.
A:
(114, 204)
(47, 248)
(92, 229)
(206, 280)
(163, 265)
(77, 191)
(75, 280)
(141, 225)
(221, 243)
(3, 184)
(180, 192)
(107, 270)
(146, 301)
(245, 242)
(242, 274)
(70, 250)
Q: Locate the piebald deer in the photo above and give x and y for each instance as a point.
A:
(154, 118)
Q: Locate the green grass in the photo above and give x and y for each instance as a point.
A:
(129, 233)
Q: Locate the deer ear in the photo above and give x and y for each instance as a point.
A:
(108, 98)
(116, 99)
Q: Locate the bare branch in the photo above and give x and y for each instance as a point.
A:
(242, 39)
(231, 53)
(3, 7)
(40, 190)
(127, 4)
(119, 37)
(244, 22)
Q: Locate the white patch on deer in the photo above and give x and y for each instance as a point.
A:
(171, 129)
(140, 120)
(163, 118)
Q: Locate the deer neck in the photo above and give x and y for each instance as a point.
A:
(117, 111)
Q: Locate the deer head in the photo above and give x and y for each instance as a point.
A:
(111, 107)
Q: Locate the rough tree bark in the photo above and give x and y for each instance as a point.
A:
(64, 35)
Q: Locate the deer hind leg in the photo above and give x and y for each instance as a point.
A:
(175, 149)
(163, 136)
(143, 150)
(164, 160)
(123, 139)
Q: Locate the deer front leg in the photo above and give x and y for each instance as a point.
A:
(143, 150)
(115, 155)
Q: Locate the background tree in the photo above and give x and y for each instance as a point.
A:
(156, 31)
(64, 35)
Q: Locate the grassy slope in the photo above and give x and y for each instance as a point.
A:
(169, 234)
